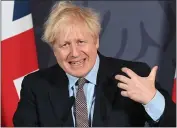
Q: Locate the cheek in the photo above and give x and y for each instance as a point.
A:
(61, 56)
(91, 52)
(91, 48)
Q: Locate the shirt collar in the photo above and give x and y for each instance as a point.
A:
(91, 76)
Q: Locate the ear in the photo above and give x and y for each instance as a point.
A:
(54, 52)
(53, 49)
(97, 42)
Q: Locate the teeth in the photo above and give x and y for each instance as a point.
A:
(77, 63)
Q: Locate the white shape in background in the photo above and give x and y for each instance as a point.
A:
(11, 28)
(18, 82)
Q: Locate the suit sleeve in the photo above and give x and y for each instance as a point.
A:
(26, 114)
(168, 118)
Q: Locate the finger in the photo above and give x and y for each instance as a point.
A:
(124, 93)
(129, 72)
(153, 73)
(123, 86)
(123, 79)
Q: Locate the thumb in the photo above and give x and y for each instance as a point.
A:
(153, 73)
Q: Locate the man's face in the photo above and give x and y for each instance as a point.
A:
(76, 49)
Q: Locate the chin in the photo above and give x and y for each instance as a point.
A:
(79, 74)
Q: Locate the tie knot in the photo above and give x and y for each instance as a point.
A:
(81, 81)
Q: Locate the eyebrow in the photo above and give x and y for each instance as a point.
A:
(79, 39)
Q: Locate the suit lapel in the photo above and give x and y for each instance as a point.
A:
(59, 98)
(105, 92)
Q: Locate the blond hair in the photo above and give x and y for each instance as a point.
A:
(66, 10)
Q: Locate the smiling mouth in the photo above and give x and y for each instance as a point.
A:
(77, 63)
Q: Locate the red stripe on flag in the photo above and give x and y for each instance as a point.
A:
(19, 54)
(174, 91)
(18, 59)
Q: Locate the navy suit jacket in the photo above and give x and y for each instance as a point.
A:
(45, 99)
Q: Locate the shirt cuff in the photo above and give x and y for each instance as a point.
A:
(156, 106)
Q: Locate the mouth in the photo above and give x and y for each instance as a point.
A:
(78, 63)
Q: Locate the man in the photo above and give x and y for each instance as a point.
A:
(85, 88)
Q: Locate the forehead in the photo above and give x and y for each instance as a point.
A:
(73, 31)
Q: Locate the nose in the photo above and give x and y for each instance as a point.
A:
(74, 51)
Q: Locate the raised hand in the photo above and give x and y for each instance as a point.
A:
(137, 88)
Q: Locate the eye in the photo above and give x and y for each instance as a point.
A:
(81, 42)
(65, 45)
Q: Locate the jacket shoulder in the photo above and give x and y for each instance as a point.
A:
(42, 73)
(41, 76)
(140, 68)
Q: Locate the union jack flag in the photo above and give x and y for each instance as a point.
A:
(18, 54)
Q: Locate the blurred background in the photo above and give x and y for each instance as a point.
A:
(131, 30)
